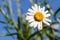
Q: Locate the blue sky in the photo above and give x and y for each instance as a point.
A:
(25, 4)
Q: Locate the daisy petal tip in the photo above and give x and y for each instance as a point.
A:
(46, 11)
(48, 23)
(35, 4)
(39, 29)
(43, 8)
(30, 25)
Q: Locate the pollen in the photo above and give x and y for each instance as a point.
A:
(38, 16)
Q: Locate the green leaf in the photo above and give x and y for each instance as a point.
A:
(31, 1)
(56, 31)
(3, 22)
(4, 14)
(50, 34)
(56, 11)
(10, 34)
(7, 7)
(32, 35)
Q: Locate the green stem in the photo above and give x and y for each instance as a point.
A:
(18, 33)
(33, 35)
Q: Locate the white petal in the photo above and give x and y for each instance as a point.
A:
(46, 11)
(29, 17)
(30, 10)
(40, 26)
(46, 22)
(33, 7)
(30, 13)
(36, 7)
(31, 24)
(35, 24)
(42, 9)
(39, 8)
(47, 19)
(47, 15)
(31, 20)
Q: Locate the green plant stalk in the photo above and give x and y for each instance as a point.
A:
(19, 37)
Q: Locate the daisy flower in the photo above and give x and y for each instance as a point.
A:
(36, 16)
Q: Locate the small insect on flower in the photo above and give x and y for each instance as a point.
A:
(36, 16)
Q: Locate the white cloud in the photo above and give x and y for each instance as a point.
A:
(56, 26)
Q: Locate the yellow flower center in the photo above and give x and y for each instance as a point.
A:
(38, 16)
